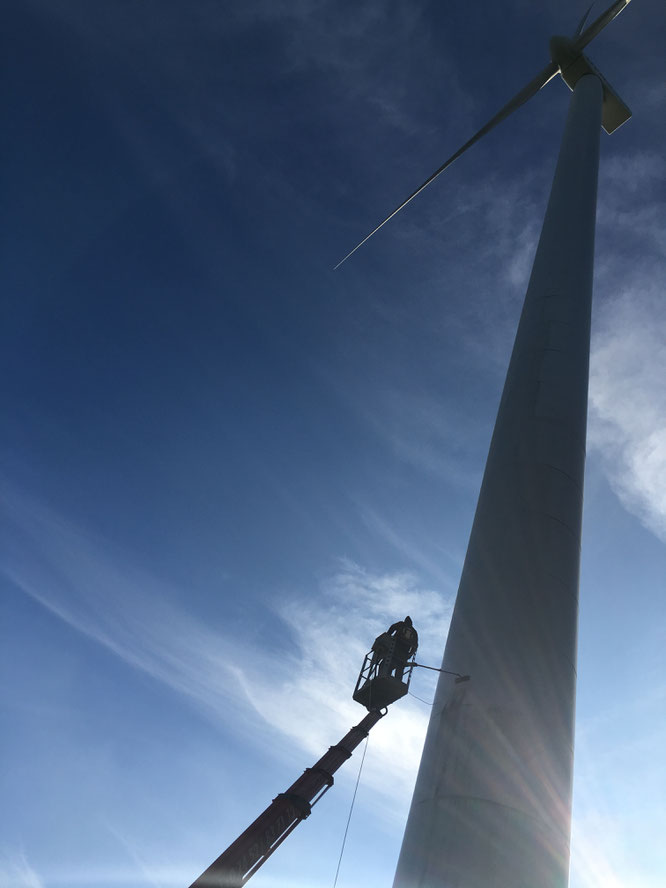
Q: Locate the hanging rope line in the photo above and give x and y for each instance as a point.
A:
(344, 838)
(420, 698)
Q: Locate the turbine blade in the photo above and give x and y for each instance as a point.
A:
(526, 93)
(583, 20)
(599, 24)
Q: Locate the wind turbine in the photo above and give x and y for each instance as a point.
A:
(492, 802)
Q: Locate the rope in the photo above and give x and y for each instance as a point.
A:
(420, 698)
(344, 838)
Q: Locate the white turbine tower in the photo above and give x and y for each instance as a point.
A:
(492, 802)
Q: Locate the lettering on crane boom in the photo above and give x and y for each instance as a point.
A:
(269, 836)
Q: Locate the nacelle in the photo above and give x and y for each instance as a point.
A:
(573, 65)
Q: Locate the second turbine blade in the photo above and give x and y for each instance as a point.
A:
(581, 24)
(600, 23)
(519, 99)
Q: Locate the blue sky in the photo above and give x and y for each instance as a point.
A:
(224, 468)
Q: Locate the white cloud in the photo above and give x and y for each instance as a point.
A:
(299, 693)
(16, 872)
(404, 543)
(333, 632)
(628, 360)
(628, 401)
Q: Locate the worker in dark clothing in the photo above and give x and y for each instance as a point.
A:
(405, 632)
(380, 648)
(406, 644)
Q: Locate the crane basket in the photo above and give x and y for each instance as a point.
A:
(385, 674)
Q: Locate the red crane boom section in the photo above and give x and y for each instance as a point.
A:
(252, 848)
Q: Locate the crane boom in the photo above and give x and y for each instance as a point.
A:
(252, 848)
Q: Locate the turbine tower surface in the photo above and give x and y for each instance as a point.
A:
(492, 802)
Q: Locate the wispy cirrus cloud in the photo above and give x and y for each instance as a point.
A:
(628, 401)
(404, 541)
(16, 871)
(627, 430)
(628, 361)
(312, 667)
(427, 431)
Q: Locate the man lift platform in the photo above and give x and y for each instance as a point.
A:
(387, 668)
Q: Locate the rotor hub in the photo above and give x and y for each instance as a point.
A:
(563, 51)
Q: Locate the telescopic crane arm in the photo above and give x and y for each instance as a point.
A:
(243, 857)
(384, 678)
